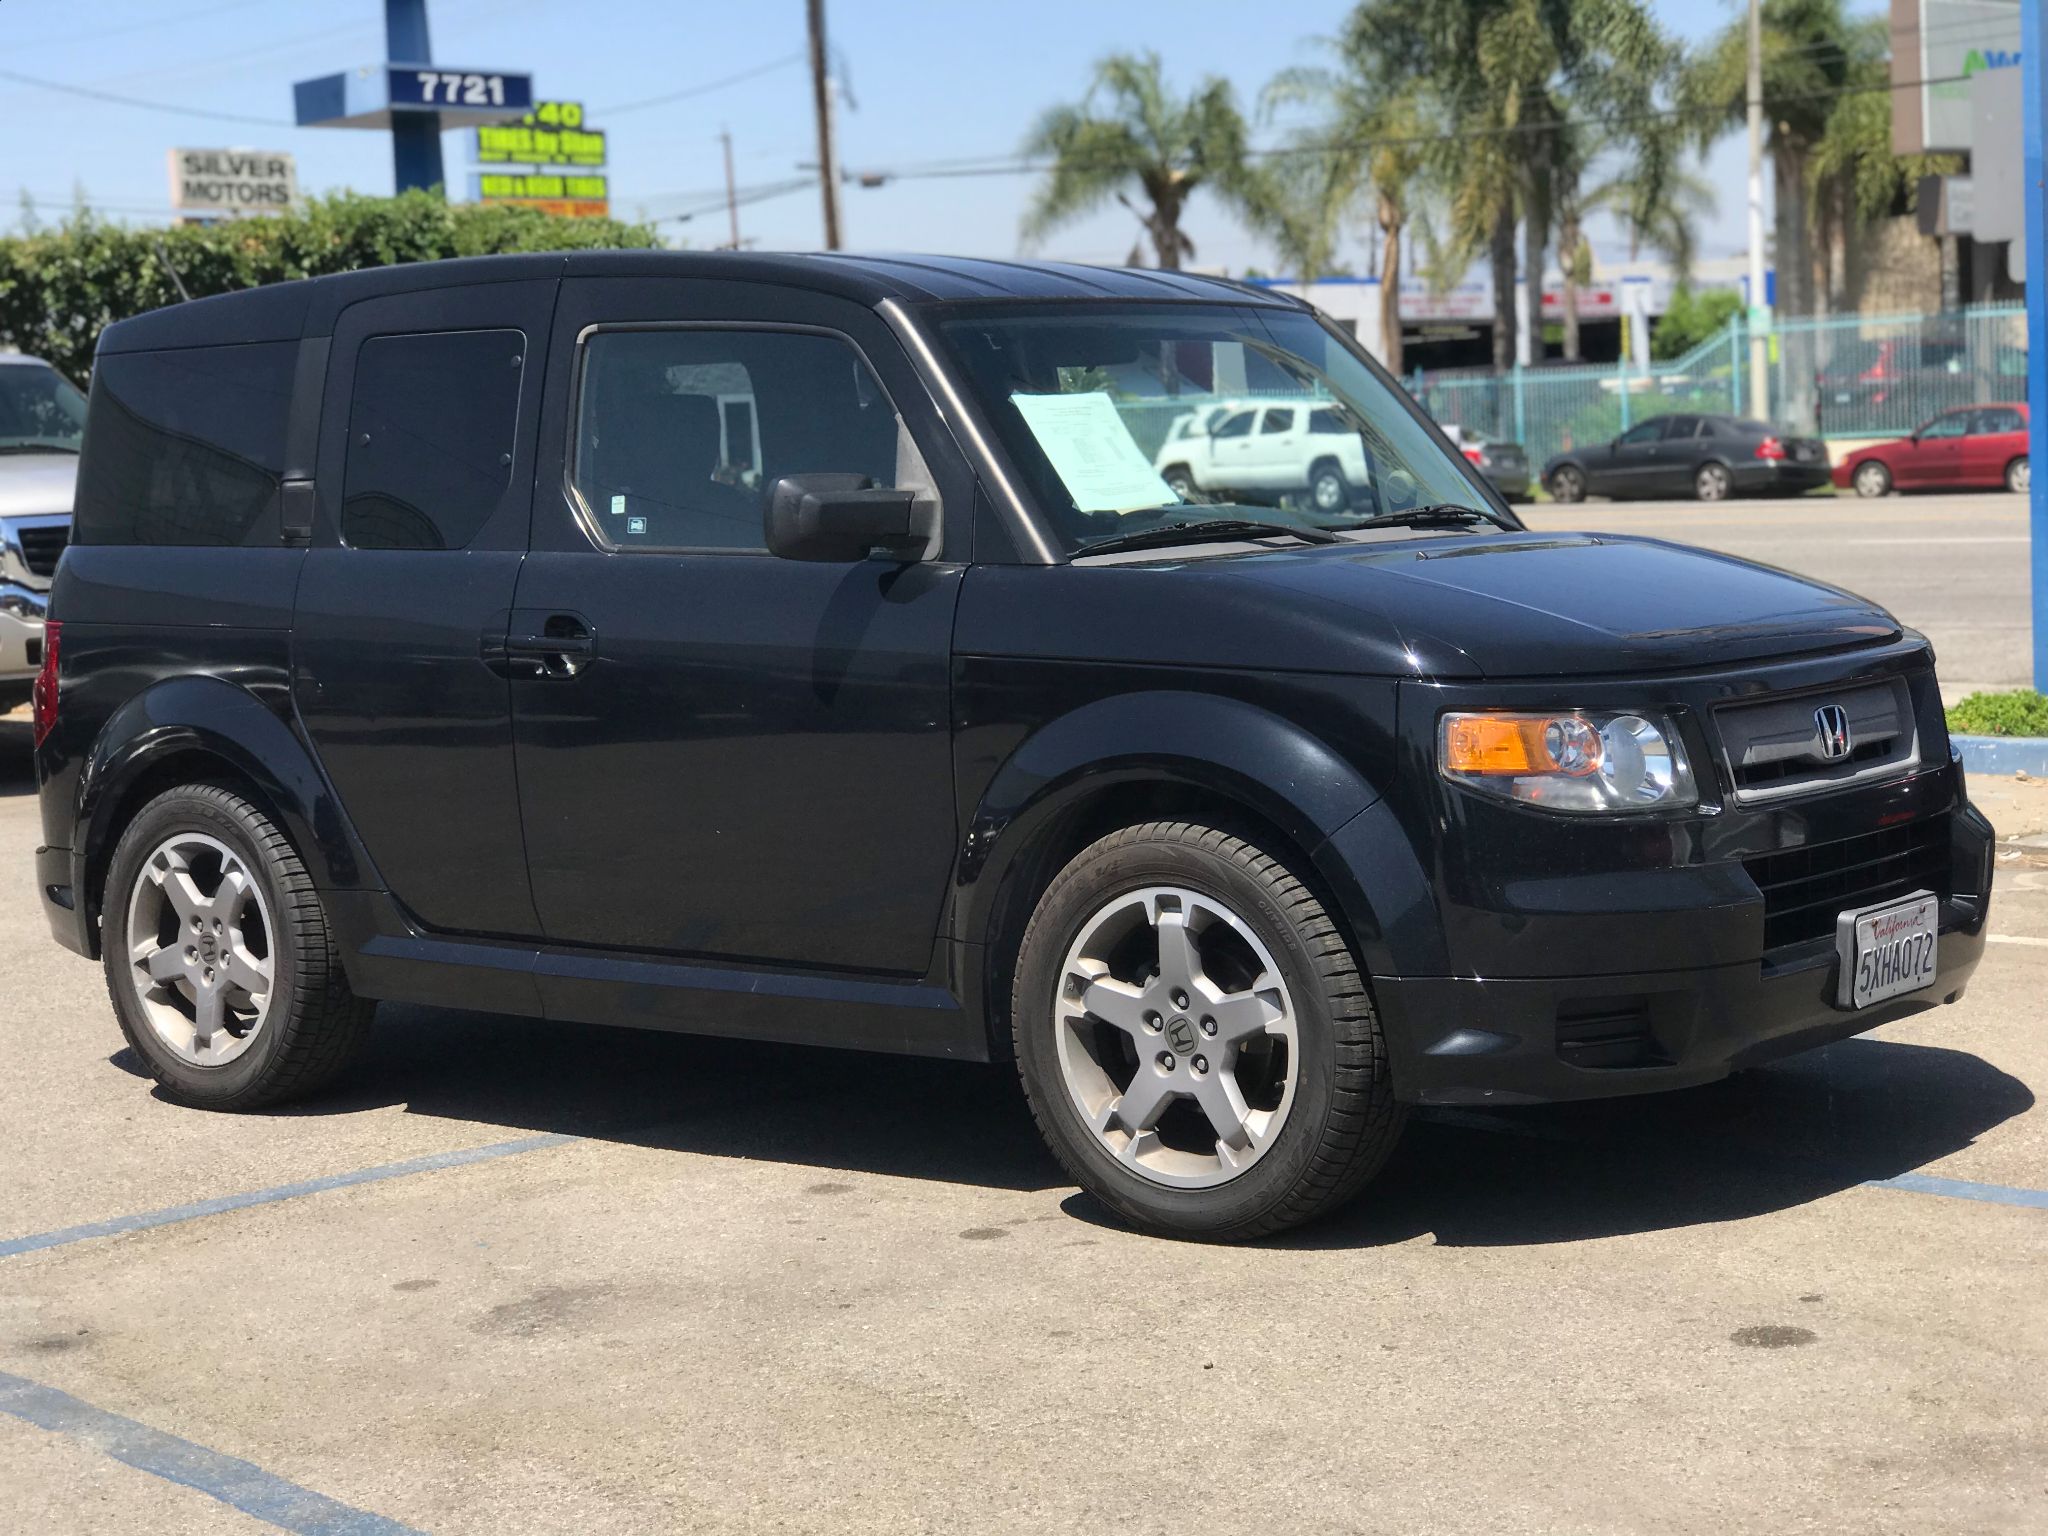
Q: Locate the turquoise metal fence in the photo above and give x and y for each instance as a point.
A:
(1847, 377)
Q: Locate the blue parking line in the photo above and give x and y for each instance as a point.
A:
(1963, 1189)
(238, 1484)
(176, 1213)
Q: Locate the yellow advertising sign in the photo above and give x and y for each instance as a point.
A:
(551, 134)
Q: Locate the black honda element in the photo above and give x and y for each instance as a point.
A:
(808, 649)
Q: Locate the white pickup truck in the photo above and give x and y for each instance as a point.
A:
(42, 419)
(1259, 449)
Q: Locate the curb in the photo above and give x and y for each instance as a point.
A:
(2004, 754)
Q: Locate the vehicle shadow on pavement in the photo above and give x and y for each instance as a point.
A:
(1768, 1140)
(1763, 1141)
(17, 756)
(904, 1116)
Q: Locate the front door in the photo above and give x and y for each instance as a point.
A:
(1633, 470)
(1935, 455)
(723, 753)
(425, 479)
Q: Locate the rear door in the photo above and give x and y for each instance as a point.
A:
(1674, 457)
(1997, 436)
(425, 479)
(723, 753)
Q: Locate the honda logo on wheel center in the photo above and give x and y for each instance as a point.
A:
(1180, 1034)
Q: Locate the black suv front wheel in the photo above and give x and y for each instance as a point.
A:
(1195, 1038)
(218, 957)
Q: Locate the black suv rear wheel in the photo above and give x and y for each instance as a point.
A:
(1195, 1038)
(219, 961)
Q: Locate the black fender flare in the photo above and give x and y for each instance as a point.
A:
(209, 716)
(1275, 768)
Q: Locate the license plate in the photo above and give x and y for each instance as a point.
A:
(1802, 453)
(1889, 950)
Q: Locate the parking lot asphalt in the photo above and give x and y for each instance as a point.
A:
(1954, 567)
(521, 1277)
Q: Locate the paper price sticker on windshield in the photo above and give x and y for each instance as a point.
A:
(1092, 452)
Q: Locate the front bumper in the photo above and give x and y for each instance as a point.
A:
(21, 639)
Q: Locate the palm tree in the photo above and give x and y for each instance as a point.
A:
(1368, 145)
(1130, 133)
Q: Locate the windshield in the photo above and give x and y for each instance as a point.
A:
(40, 410)
(1126, 418)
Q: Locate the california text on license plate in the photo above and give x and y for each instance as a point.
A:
(1888, 950)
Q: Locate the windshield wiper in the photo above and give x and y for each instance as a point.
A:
(1206, 528)
(1438, 514)
(38, 447)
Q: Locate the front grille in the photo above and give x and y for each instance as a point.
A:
(1776, 746)
(1806, 889)
(40, 547)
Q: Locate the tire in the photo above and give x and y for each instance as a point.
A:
(1180, 482)
(1328, 490)
(201, 863)
(1314, 1102)
(2019, 479)
(1712, 482)
(1872, 479)
(1567, 484)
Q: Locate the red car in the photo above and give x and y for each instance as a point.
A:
(1971, 446)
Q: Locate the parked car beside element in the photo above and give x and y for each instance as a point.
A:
(1264, 450)
(1976, 447)
(42, 417)
(1505, 465)
(417, 644)
(1709, 458)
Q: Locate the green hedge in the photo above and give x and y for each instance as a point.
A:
(2020, 713)
(60, 288)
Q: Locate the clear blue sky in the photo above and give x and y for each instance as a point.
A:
(931, 79)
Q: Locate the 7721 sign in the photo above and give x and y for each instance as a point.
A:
(425, 89)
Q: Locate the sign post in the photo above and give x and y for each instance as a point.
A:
(2034, 150)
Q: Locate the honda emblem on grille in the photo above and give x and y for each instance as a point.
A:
(1831, 721)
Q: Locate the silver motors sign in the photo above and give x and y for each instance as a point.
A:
(217, 181)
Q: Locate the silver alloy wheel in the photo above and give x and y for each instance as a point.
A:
(1872, 479)
(1712, 483)
(1328, 491)
(1567, 485)
(1176, 1037)
(2019, 477)
(200, 949)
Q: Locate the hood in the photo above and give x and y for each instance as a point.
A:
(1543, 604)
(36, 482)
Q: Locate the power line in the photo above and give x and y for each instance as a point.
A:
(704, 89)
(98, 35)
(135, 101)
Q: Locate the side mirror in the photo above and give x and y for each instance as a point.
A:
(845, 518)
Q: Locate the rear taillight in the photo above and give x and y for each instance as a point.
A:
(44, 696)
(1476, 455)
(1770, 448)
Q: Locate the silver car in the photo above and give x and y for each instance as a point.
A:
(42, 422)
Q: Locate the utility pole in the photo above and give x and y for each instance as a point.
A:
(821, 94)
(1759, 401)
(2034, 154)
(732, 201)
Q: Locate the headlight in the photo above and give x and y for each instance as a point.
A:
(1569, 762)
(20, 603)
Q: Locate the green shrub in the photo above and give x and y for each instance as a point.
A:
(2021, 713)
(60, 288)
(1690, 319)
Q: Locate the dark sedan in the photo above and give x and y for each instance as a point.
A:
(1709, 458)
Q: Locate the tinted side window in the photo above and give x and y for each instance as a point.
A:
(1954, 424)
(1676, 427)
(1326, 421)
(1999, 418)
(185, 447)
(1236, 426)
(679, 433)
(1647, 432)
(430, 431)
(1278, 421)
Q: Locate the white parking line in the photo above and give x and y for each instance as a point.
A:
(2015, 938)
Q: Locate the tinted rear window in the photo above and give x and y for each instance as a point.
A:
(430, 432)
(185, 447)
